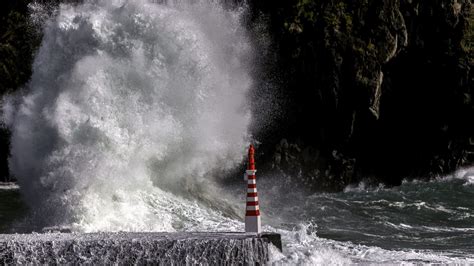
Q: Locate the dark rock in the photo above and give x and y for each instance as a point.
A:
(378, 89)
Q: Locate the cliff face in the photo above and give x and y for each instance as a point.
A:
(20, 37)
(17, 44)
(374, 89)
(369, 88)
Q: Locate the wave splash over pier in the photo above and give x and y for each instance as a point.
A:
(128, 101)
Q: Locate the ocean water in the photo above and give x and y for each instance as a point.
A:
(135, 113)
(417, 222)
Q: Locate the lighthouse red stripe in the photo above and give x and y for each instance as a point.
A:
(252, 186)
(250, 195)
(251, 177)
(252, 203)
(252, 213)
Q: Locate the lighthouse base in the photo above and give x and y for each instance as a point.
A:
(253, 224)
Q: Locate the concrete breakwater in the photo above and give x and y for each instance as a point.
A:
(132, 248)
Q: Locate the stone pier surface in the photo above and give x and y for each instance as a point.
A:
(137, 248)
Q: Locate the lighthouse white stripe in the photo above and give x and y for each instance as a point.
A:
(252, 181)
(249, 199)
(252, 208)
(251, 190)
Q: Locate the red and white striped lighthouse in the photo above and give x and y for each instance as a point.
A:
(252, 214)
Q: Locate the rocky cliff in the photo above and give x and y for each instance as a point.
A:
(371, 89)
(345, 90)
(18, 41)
